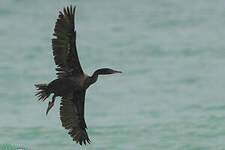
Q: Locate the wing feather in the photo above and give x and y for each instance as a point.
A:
(72, 119)
(64, 45)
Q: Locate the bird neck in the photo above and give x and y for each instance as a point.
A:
(91, 80)
(94, 78)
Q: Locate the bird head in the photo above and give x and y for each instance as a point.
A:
(105, 71)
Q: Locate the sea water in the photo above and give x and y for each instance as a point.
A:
(170, 95)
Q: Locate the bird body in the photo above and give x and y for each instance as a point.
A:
(64, 86)
(71, 83)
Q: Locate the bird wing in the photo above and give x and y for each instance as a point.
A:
(64, 45)
(72, 117)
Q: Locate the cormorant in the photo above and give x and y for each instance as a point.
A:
(71, 83)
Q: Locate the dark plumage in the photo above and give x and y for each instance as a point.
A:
(71, 83)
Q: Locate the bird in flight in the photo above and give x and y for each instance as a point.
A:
(71, 83)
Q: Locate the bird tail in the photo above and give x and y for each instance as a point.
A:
(42, 91)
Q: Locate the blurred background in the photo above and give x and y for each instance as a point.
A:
(170, 95)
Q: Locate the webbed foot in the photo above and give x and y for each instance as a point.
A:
(50, 105)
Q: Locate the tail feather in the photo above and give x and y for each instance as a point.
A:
(42, 92)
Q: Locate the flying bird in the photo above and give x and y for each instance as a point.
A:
(71, 83)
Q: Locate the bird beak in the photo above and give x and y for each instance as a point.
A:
(117, 71)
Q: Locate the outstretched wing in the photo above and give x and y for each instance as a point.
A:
(72, 117)
(64, 45)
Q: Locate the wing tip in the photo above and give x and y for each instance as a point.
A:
(84, 141)
(80, 137)
(70, 9)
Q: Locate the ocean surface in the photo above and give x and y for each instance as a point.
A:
(170, 96)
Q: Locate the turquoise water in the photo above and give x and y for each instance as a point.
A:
(169, 97)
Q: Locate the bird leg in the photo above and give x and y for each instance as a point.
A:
(50, 104)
